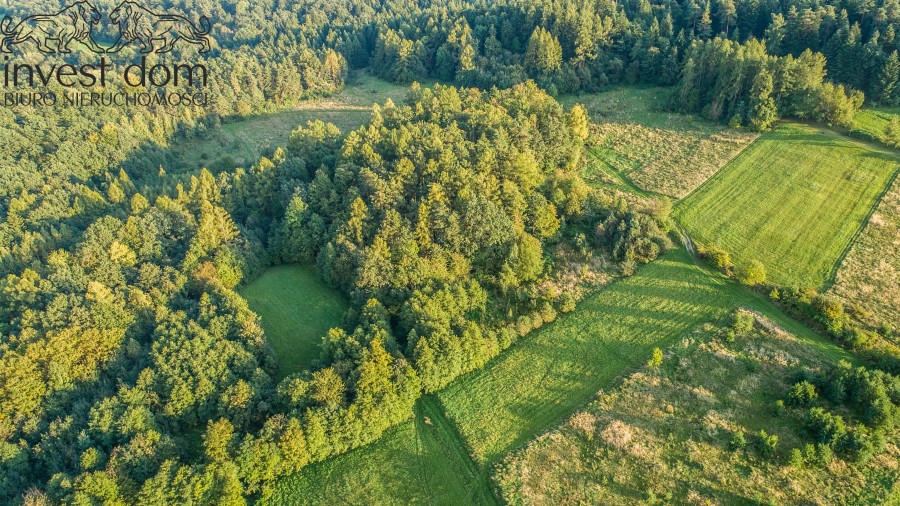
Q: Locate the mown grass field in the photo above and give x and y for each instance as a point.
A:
(794, 200)
(666, 433)
(869, 275)
(655, 150)
(241, 142)
(296, 309)
(529, 388)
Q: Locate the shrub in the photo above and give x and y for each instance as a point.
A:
(566, 303)
(656, 359)
(548, 314)
(728, 335)
(778, 409)
(742, 323)
(825, 427)
(817, 455)
(738, 441)
(823, 454)
(752, 274)
(718, 258)
(830, 308)
(802, 394)
(766, 444)
(861, 444)
(796, 458)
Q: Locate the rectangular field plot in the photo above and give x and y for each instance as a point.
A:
(794, 200)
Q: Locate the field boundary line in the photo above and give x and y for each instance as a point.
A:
(718, 173)
(617, 381)
(832, 277)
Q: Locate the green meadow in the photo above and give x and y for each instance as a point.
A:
(296, 309)
(420, 461)
(240, 142)
(873, 123)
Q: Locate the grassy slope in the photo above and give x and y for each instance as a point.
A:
(667, 430)
(549, 373)
(657, 151)
(297, 309)
(241, 142)
(530, 387)
(794, 200)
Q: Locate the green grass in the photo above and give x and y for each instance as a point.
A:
(794, 200)
(528, 389)
(550, 373)
(872, 123)
(642, 145)
(296, 309)
(667, 430)
(241, 142)
(418, 462)
(868, 275)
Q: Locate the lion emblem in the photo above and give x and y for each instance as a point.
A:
(72, 23)
(140, 24)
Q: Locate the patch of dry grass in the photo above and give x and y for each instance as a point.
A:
(658, 151)
(666, 432)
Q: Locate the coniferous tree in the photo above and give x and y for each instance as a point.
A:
(544, 53)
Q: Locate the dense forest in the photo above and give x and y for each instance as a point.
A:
(132, 371)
